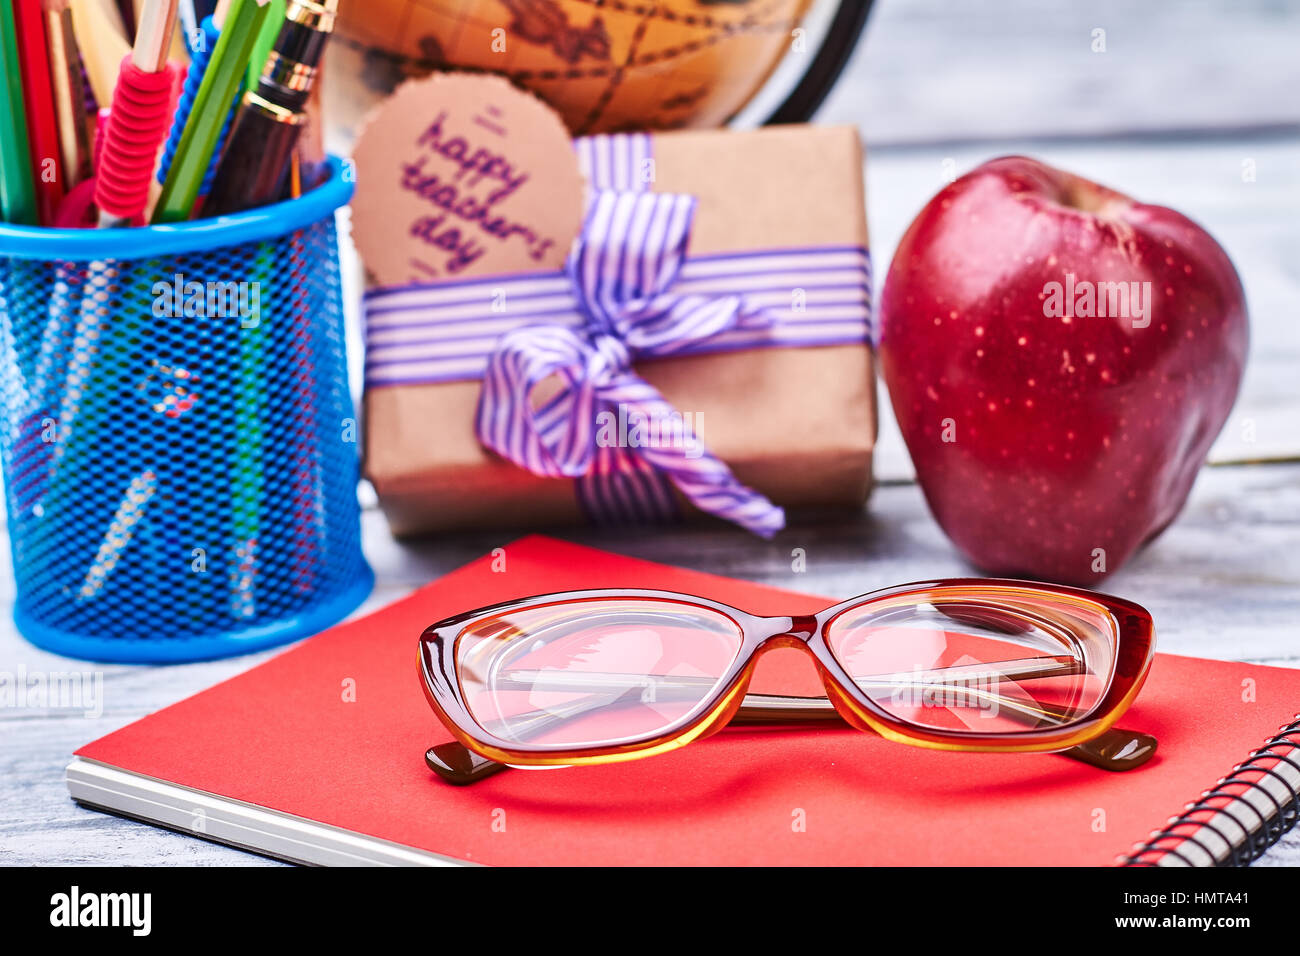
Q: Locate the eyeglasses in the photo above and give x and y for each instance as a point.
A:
(589, 677)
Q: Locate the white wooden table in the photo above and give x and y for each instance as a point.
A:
(1183, 96)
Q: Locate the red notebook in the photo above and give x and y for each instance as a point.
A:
(317, 756)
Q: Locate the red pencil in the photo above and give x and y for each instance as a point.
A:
(38, 93)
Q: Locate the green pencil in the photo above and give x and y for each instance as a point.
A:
(246, 475)
(265, 40)
(221, 81)
(17, 188)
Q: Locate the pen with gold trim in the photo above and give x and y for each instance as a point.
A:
(254, 167)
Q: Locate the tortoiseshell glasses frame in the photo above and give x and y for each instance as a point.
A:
(1093, 649)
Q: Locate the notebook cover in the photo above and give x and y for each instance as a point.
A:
(284, 735)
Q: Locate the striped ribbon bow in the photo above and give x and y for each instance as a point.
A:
(622, 269)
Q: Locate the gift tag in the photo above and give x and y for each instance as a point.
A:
(462, 175)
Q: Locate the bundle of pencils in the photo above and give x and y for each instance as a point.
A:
(104, 125)
(231, 131)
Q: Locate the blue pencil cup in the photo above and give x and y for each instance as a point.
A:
(179, 443)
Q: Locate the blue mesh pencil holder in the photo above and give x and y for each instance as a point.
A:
(179, 447)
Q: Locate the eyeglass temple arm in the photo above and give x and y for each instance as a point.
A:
(1115, 750)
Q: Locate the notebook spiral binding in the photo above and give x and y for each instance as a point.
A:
(1258, 830)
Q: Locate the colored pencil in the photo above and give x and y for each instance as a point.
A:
(42, 121)
(265, 40)
(17, 189)
(153, 40)
(129, 143)
(103, 44)
(247, 478)
(304, 425)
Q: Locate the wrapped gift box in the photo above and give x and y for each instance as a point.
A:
(795, 423)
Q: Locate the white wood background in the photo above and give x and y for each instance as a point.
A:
(1184, 94)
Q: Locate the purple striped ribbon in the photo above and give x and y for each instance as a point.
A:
(628, 291)
(426, 333)
(621, 161)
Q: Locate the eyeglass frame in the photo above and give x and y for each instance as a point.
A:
(1134, 651)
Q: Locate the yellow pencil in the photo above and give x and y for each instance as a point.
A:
(103, 44)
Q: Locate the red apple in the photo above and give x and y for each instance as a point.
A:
(1060, 358)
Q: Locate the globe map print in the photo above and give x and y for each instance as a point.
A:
(605, 65)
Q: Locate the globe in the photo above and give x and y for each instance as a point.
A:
(604, 65)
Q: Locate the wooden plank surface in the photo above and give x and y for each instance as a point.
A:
(1185, 94)
(1222, 582)
(936, 71)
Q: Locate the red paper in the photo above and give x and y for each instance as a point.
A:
(283, 736)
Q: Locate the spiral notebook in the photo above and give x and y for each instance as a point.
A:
(316, 756)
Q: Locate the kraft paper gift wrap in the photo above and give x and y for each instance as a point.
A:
(796, 424)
